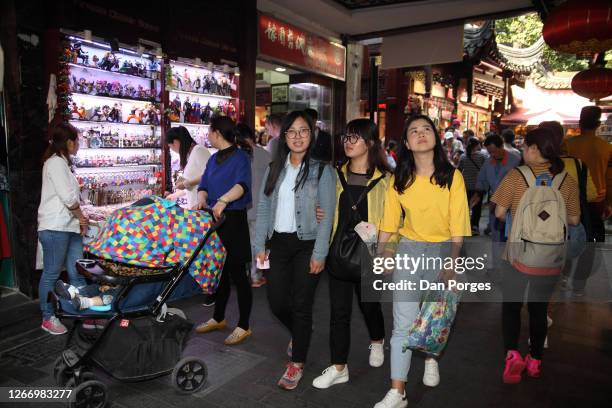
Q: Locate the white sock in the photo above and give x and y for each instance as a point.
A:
(107, 299)
(73, 291)
(86, 303)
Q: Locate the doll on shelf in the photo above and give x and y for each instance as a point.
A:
(116, 89)
(178, 81)
(206, 114)
(197, 84)
(207, 84)
(153, 68)
(195, 116)
(129, 91)
(115, 113)
(187, 81)
(187, 110)
(140, 92)
(74, 112)
(175, 109)
(136, 116)
(109, 61)
(214, 85)
(95, 60)
(97, 115)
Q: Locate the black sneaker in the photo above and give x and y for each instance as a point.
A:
(61, 290)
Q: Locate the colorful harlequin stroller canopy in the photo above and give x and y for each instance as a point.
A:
(161, 234)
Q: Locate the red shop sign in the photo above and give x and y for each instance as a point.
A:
(287, 44)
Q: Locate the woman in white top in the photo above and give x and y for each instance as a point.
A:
(61, 223)
(193, 159)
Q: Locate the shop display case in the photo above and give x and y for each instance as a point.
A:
(115, 99)
(197, 93)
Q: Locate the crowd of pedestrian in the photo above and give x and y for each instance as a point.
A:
(288, 210)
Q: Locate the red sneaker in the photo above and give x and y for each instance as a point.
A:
(291, 377)
(534, 367)
(53, 326)
(514, 367)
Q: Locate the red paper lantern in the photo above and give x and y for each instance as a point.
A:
(580, 27)
(594, 83)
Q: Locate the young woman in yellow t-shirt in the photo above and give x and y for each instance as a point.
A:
(431, 195)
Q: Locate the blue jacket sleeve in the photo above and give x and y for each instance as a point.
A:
(243, 177)
(327, 202)
(203, 186)
(262, 220)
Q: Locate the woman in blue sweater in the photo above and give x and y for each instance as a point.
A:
(294, 185)
(225, 187)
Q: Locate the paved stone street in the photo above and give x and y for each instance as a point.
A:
(576, 369)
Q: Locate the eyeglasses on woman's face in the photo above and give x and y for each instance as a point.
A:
(301, 133)
(351, 138)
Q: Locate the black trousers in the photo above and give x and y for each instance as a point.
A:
(291, 289)
(476, 211)
(235, 272)
(540, 291)
(341, 300)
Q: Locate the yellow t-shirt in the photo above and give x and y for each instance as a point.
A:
(432, 213)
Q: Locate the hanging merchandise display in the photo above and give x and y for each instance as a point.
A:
(113, 98)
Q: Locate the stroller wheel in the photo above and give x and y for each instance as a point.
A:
(90, 394)
(85, 376)
(61, 372)
(189, 375)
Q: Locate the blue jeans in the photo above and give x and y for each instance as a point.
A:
(60, 249)
(406, 306)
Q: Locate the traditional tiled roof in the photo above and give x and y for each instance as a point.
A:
(552, 80)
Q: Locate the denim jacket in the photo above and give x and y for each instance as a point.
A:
(314, 192)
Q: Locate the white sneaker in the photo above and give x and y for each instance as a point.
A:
(393, 399)
(331, 376)
(377, 354)
(431, 376)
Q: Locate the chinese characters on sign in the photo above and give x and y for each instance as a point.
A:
(285, 43)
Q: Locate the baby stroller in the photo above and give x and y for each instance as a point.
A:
(143, 338)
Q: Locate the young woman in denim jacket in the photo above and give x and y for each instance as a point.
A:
(294, 185)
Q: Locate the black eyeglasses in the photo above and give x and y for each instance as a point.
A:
(293, 133)
(352, 138)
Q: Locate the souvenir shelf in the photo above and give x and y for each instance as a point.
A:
(198, 93)
(115, 103)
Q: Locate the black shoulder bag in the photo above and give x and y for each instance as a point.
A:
(348, 251)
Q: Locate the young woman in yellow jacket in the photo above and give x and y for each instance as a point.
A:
(360, 191)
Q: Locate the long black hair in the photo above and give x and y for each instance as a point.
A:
(546, 142)
(181, 134)
(405, 171)
(368, 130)
(282, 151)
(228, 131)
(245, 133)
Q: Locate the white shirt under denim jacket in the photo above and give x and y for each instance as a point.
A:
(315, 192)
(60, 191)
